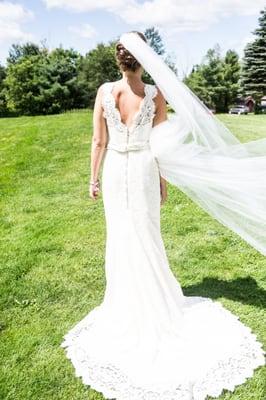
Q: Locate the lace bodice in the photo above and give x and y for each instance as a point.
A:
(120, 136)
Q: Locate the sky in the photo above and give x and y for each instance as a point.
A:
(188, 27)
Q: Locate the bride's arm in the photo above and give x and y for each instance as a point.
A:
(98, 145)
(160, 116)
(160, 108)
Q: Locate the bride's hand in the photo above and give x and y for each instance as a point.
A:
(94, 189)
(163, 189)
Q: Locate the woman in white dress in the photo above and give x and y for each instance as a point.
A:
(146, 340)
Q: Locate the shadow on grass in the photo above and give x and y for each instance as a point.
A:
(244, 290)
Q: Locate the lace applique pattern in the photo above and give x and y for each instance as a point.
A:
(114, 384)
(142, 117)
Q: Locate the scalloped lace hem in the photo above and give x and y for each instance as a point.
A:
(110, 380)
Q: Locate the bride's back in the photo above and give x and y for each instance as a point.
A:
(128, 99)
(126, 111)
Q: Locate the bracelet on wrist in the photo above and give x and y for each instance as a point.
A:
(95, 182)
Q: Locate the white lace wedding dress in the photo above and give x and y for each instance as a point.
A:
(146, 340)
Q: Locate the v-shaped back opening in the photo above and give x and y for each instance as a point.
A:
(116, 109)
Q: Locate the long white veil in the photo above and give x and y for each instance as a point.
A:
(199, 155)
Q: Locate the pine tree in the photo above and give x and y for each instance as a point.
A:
(155, 40)
(254, 62)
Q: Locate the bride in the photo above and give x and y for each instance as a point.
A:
(146, 340)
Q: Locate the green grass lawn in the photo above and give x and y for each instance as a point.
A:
(52, 247)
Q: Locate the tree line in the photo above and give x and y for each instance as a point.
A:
(219, 81)
(37, 81)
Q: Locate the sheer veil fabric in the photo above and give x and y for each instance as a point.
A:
(199, 155)
(146, 340)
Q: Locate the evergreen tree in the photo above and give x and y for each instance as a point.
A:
(18, 51)
(62, 91)
(231, 78)
(155, 41)
(254, 62)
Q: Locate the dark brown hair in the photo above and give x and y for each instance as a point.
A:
(124, 59)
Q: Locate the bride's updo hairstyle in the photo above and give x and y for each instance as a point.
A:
(124, 59)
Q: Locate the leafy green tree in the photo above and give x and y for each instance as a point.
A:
(3, 103)
(254, 62)
(37, 81)
(24, 81)
(44, 83)
(216, 80)
(98, 66)
(19, 51)
(198, 84)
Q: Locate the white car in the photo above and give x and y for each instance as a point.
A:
(239, 109)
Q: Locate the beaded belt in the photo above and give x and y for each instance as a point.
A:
(128, 147)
